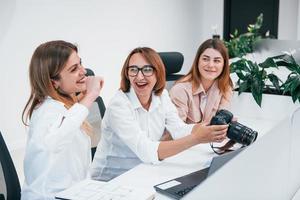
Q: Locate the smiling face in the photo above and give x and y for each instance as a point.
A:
(72, 78)
(142, 85)
(210, 65)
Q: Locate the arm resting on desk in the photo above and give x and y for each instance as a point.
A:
(201, 133)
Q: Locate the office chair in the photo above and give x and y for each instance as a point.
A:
(95, 117)
(173, 62)
(12, 189)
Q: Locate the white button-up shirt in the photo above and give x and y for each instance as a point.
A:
(131, 134)
(58, 152)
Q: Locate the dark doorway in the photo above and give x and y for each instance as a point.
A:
(239, 14)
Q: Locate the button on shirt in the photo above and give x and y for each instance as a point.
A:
(203, 101)
(58, 152)
(131, 134)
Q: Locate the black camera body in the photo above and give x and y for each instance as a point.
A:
(236, 131)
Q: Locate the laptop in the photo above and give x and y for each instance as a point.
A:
(177, 188)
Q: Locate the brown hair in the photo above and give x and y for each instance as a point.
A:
(224, 81)
(154, 59)
(47, 61)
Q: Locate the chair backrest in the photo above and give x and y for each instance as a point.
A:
(173, 62)
(9, 186)
(96, 114)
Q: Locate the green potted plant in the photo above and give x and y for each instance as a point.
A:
(292, 83)
(242, 44)
(252, 77)
(255, 77)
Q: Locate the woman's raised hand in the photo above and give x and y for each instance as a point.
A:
(94, 85)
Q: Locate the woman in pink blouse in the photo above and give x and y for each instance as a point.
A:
(207, 87)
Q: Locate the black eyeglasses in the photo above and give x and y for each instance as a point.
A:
(147, 70)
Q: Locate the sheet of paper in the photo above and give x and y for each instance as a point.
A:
(93, 190)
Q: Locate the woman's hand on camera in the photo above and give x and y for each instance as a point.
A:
(94, 85)
(205, 133)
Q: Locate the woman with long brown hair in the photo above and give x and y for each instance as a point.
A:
(207, 87)
(58, 152)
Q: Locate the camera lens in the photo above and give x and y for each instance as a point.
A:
(241, 133)
(236, 131)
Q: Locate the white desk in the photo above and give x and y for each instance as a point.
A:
(297, 195)
(145, 176)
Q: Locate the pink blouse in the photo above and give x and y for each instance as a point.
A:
(189, 105)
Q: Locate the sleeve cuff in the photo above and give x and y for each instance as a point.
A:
(155, 160)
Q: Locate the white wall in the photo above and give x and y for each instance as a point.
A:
(288, 20)
(298, 23)
(104, 30)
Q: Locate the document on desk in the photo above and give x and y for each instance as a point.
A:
(94, 190)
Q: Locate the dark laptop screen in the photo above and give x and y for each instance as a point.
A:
(179, 187)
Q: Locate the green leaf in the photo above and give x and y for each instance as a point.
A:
(257, 89)
(241, 44)
(296, 94)
(240, 75)
(287, 85)
(275, 81)
(268, 63)
(282, 63)
(244, 86)
(257, 97)
(295, 83)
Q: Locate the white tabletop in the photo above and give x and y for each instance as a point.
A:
(145, 176)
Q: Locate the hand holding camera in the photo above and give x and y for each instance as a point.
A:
(205, 133)
(237, 132)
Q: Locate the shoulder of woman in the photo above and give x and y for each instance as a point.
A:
(228, 94)
(52, 105)
(119, 99)
(182, 86)
(48, 109)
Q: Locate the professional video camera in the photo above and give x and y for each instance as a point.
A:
(237, 132)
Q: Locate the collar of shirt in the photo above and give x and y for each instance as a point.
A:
(200, 89)
(155, 102)
(50, 98)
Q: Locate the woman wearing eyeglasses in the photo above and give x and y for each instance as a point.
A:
(136, 119)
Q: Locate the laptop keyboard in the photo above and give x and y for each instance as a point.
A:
(185, 190)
